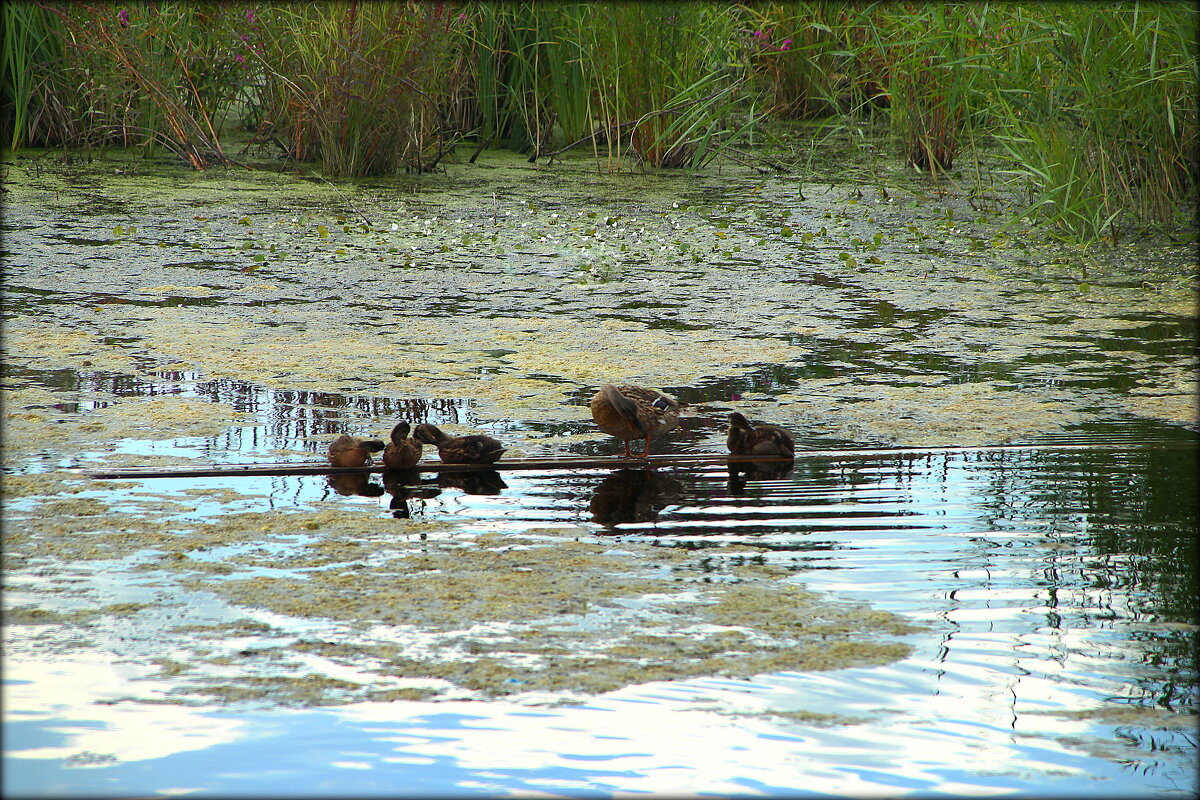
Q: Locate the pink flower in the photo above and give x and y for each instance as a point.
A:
(250, 15)
(239, 58)
(787, 45)
(123, 15)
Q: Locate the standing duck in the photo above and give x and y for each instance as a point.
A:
(474, 449)
(745, 439)
(350, 451)
(402, 452)
(634, 412)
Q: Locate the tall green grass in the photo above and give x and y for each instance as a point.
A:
(148, 74)
(800, 62)
(32, 48)
(1094, 105)
(653, 80)
(1098, 112)
(531, 68)
(364, 88)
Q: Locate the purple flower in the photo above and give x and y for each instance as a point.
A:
(759, 34)
(787, 45)
(123, 15)
(250, 15)
(239, 58)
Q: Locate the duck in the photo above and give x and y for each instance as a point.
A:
(402, 452)
(634, 412)
(350, 451)
(474, 449)
(745, 439)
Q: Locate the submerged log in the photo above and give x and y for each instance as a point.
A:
(557, 463)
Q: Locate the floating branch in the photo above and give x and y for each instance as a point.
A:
(575, 462)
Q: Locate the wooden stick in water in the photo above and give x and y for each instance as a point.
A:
(571, 462)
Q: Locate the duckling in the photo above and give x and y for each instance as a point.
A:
(350, 451)
(402, 452)
(475, 449)
(634, 412)
(745, 439)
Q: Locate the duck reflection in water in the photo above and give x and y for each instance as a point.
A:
(404, 485)
(355, 483)
(633, 495)
(486, 481)
(742, 471)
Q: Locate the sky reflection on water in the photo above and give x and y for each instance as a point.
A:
(1040, 626)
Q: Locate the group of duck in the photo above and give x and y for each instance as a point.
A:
(625, 411)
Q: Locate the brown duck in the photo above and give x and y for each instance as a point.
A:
(474, 449)
(634, 412)
(745, 439)
(350, 451)
(402, 452)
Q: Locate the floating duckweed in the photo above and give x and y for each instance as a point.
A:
(506, 619)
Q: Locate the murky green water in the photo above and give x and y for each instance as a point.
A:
(932, 617)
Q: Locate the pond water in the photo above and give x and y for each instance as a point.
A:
(979, 578)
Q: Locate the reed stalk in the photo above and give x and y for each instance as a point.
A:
(32, 49)
(362, 87)
(1098, 111)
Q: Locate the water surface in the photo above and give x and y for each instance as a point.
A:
(930, 616)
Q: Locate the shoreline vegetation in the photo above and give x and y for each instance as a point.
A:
(1091, 108)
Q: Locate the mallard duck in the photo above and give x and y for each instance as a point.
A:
(745, 439)
(350, 451)
(402, 452)
(474, 449)
(633, 412)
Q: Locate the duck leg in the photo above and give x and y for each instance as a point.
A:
(628, 452)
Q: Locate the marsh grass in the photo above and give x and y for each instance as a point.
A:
(655, 80)
(161, 73)
(29, 102)
(1094, 106)
(530, 71)
(364, 88)
(798, 62)
(1098, 112)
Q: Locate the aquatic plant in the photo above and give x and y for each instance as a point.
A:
(529, 67)
(33, 47)
(665, 79)
(362, 87)
(147, 74)
(1098, 111)
(1093, 105)
(797, 62)
(652, 79)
